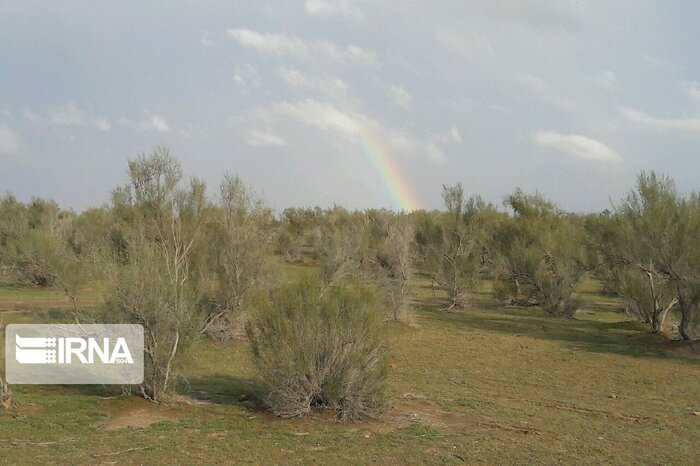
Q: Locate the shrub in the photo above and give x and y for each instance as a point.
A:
(395, 269)
(154, 291)
(320, 351)
(237, 243)
(540, 259)
(450, 245)
(156, 277)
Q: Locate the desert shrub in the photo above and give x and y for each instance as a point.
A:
(336, 249)
(320, 351)
(539, 255)
(394, 266)
(237, 244)
(25, 230)
(154, 290)
(154, 276)
(627, 270)
(451, 245)
(289, 246)
(660, 237)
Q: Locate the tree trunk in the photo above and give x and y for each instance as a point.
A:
(660, 318)
(686, 308)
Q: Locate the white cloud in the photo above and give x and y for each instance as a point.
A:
(283, 44)
(456, 137)
(693, 91)
(400, 96)
(351, 125)
(461, 105)
(435, 154)
(687, 123)
(543, 92)
(606, 79)
(659, 62)
(29, 115)
(576, 145)
(298, 80)
(71, 115)
(326, 8)
(321, 115)
(261, 138)
(472, 45)
(295, 78)
(156, 123)
(565, 16)
(450, 136)
(501, 109)
(206, 39)
(246, 78)
(276, 44)
(533, 82)
(559, 102)
(9, 141)
(662, 124)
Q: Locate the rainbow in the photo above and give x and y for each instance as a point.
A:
(395, 183)
(379, 156)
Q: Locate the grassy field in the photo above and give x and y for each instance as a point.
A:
(484, 385)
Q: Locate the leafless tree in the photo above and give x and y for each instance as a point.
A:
(395, 267)
(238, 241)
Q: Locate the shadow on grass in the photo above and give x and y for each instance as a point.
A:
(622, 337)
(81, 390)
(226, 390)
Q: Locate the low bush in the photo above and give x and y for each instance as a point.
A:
(320, 351)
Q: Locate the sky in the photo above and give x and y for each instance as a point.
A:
(365, 104)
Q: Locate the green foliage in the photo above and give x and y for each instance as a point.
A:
(158, 264)
(154, 290)
(453, 246)
(660, 231)
(628, 270)
(394, 266)
(320, 350)
(42, 245)
(237, 238)
(337, 245)
(540, 256)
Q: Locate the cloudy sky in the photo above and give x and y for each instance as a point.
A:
(368, 103)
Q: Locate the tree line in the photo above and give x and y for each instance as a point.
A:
(187, 264)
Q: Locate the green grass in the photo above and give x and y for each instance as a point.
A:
(479, 386)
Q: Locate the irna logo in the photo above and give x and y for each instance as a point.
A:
(60, 350)
(74, 354)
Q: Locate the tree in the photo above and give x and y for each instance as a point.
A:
(450, 245)
(394, 266)
(156, 268)
(155, 290)
(540, 257)
(291, 234)
(238, 240)
(664, 229)
(336, 246)
(629, 270)
(154, 180)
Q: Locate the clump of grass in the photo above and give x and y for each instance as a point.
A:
(320, 349)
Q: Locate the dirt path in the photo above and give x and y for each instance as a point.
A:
(11, 305)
